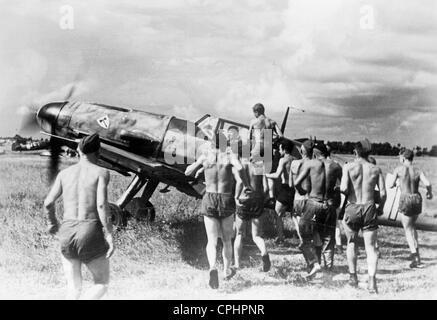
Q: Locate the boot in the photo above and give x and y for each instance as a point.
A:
(266, 263)
(353, 280)
(213, 279)
(372, 288)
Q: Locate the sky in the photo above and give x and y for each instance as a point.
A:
(357, 68)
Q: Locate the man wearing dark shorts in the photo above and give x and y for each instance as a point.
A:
(326, 222)
(86, 232)
(285, 196)
(218, 204)
(314, 206)
(358, 183)
(410, 203)
(264, 131)
(250, 207)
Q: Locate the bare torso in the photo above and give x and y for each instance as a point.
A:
(79, 190)
(285, 175)
(317, 179)
(333, 174)
(255, 179)
(258, 126)
(295, 169)
(363, 177)
(409, 178)
(218, 172)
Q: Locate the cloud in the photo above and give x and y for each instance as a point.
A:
(190, 57)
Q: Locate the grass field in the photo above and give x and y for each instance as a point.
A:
(167, 260)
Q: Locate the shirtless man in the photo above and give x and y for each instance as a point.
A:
(250, 207)
(285, 198)
(326, 222)
(257, 129)
(299, 199)
(86, 231)
(358, 183)
(410, 203)
(218, 204)
(314, 206)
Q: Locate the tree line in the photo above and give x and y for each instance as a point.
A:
(382, 149)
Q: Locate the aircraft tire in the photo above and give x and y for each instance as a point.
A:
(118, 218)
(141, 211)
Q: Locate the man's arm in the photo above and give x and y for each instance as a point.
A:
(279, 170)
(194, 166)
(382, 192)
(396, 175)
(238, 186)
(238, 167)
(49, 204)
(427, 185)
(344, 184)
(104, 211)
(304, 172)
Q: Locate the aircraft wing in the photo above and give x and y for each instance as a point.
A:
(123, 161)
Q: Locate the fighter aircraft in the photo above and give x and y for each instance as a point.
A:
(151, 147)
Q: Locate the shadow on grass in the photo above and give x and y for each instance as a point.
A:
(191, 235)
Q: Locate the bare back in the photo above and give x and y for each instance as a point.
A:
(218, 172)
(285, 175)
(294, 171)
(333, 174)
(79, 190)
(317, 178)
(409, 178)
(360, 178)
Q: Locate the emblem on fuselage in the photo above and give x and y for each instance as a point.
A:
(103, 122)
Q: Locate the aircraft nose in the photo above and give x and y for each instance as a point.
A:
(48, 114)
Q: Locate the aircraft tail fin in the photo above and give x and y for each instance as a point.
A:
(284, 122)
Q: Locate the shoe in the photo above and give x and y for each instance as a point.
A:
(416, 263)
(266, 263)
(270, 203)
(233, 273)
(279, 240)
(315, 269)
(213, 279)
(371, 287)
(353, 280)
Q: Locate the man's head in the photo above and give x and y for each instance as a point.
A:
(258, 110)
(408, 154)
(320, 150)
(363, 148)
(328, 149)
(307, 148)
(233, 133)
(89, 145)
(285, 146)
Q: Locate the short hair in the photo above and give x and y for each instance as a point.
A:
(90, 144)
(233, 128)
(321, 147)
(372, 160)
(328, 149)
(308, 146)
(408, 154)
(287, 145)
(259, 108)
(363, 148)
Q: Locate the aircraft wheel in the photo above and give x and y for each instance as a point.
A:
(141, 211)
(117, 217)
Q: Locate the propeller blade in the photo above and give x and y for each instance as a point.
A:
(29, 123)
(70, 92)
(55, 151)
